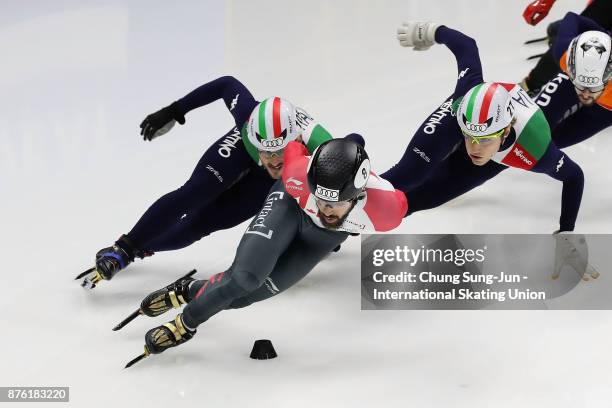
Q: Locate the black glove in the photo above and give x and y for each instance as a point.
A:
(160, 122)
(551, 32)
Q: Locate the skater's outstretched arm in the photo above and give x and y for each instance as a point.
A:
(559, 166)
(422, 35)
(238, 100)
(425, 152)
(465, 50)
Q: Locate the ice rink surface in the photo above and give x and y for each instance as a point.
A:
(77, 79)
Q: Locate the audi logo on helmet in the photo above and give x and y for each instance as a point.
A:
(327, 194)
(588, 79)
(272, 143)
(477, 127)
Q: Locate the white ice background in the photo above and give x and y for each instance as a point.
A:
(77, 77)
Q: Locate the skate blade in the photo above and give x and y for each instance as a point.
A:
(144, 355)
(83, 274)
(536, 40)
(534, 57)
(128, 319)
(90, 282)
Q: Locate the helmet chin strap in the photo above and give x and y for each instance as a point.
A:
(508, 129)
(506, 134)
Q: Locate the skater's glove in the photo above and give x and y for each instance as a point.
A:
(417, 34)
(160, 122)
(571, 250)
(551, 32)
(537, 10)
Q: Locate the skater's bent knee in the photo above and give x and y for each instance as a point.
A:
(245, 281)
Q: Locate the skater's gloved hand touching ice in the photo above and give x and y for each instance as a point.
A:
(417, 34)
(571, 250)
(160, 122)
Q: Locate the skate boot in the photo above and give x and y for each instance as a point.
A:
(162, 300)
(172, 296)
(163, 337)
(111, 260)
(168, 335)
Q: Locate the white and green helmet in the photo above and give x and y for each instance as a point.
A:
(485, 109)
(272, 124)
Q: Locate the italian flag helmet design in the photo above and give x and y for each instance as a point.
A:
(272, 124)
(485, 109)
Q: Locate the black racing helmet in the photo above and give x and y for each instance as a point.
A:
(338, 170)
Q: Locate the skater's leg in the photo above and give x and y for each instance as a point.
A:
(213, 175)
(267, 237)
(305, 252)
(236, 205)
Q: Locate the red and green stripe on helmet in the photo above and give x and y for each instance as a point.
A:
(272, 124)
(485, 109)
